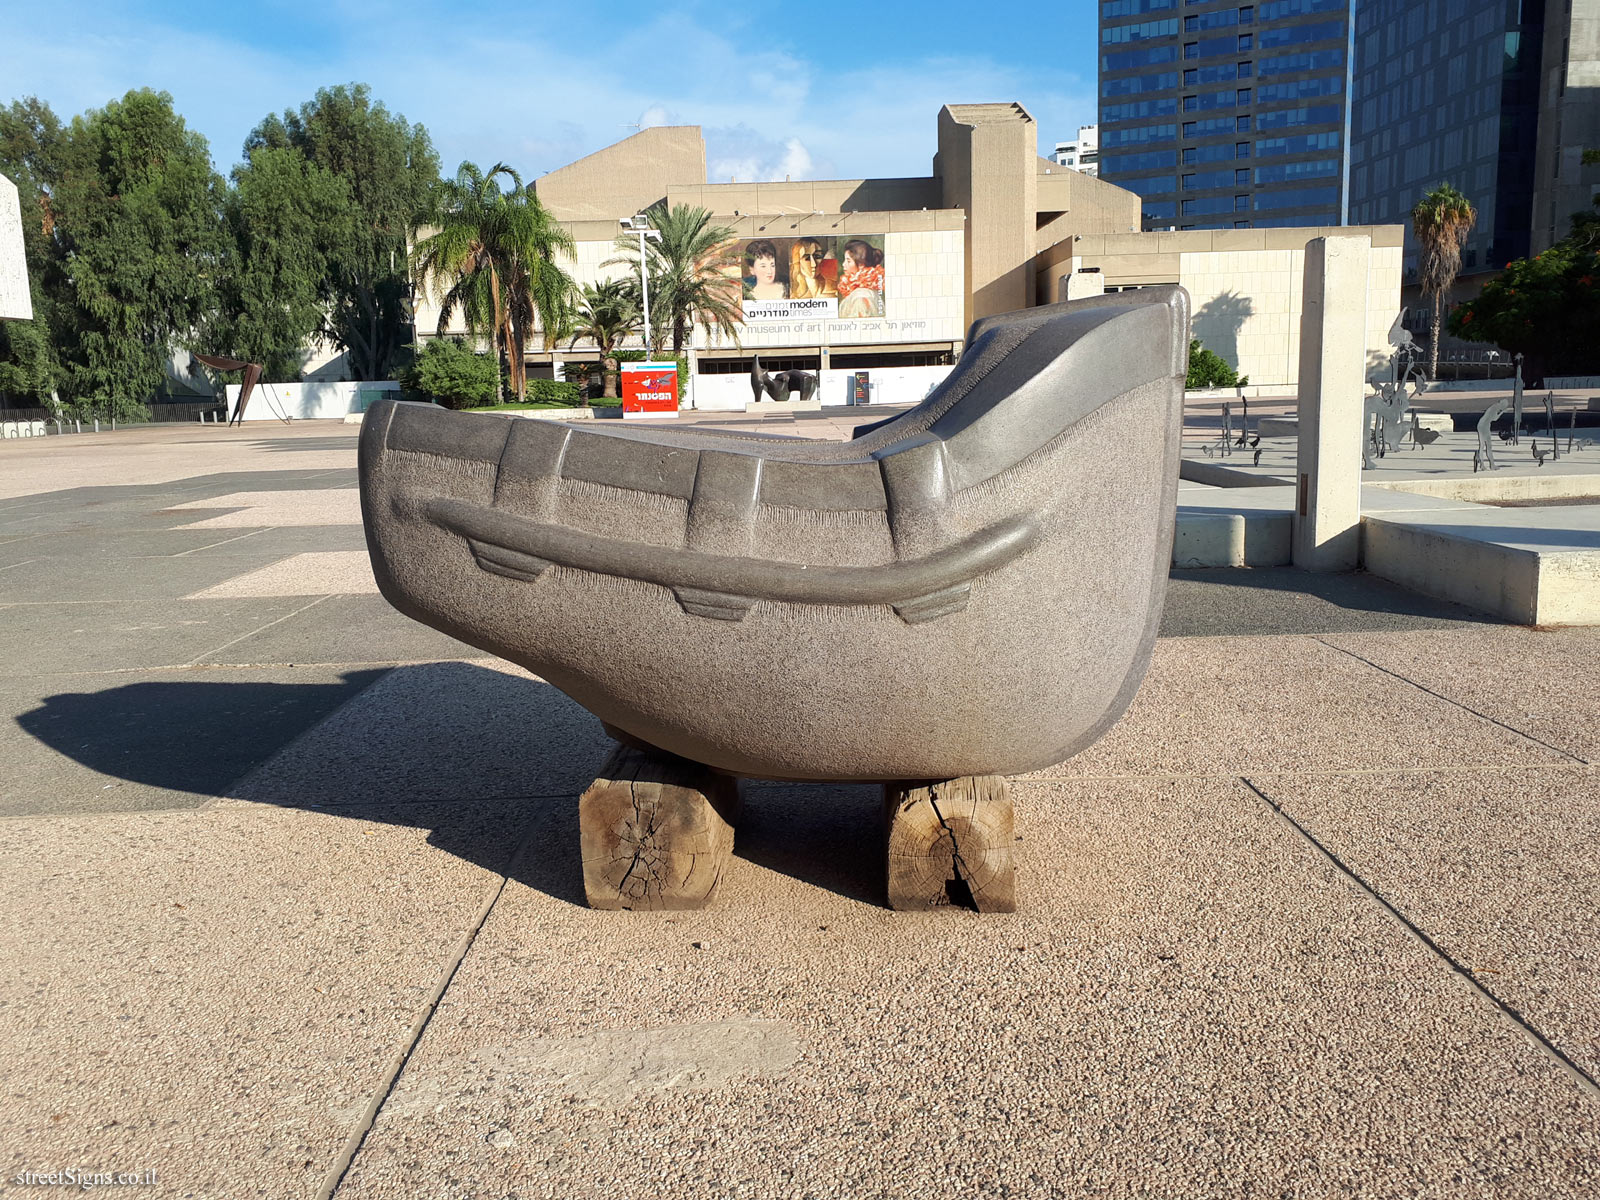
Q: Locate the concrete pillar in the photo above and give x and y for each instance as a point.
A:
(1333, 358)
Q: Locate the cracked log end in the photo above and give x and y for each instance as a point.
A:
(950, 844)
(656, 832)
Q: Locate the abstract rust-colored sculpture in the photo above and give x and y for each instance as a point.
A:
(969, 589)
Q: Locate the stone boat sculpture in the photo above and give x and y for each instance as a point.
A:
(969, 589)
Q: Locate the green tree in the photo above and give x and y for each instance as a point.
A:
(138, 230)
(32, 145)
(493, 258)
(694, 278)
(454, 374)
(287, 218)
(1208, 369)
(1546, 308)
(1441, 220)
(390, 170)
(606, 314)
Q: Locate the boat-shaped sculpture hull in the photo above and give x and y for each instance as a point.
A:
(970, 588)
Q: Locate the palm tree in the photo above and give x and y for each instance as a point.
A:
(694, 278)
(1441, 219)
(541, 292)
(492, 255)
(606, 313)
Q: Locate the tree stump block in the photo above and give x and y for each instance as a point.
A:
(950, 844)
(656, 832)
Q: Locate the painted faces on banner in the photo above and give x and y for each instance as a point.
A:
(802, 277)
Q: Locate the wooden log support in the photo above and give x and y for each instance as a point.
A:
(950, 843)
(656, 832)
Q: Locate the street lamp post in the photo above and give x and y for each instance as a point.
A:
(640, 224)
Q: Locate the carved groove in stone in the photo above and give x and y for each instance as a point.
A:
(719, 606)
(513, 564)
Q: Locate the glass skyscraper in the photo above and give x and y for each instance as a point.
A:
(1227, 115)
(1447, 91)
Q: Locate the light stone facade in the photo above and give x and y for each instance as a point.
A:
(15, 302)
(1246, 286)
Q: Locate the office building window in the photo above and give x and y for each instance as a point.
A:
(1241, 124)
(1245, 43)
(1241, 204)
(1241, 150)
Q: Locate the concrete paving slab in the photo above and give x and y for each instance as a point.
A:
(319, 573)
(1497, 868)
(1215, 706)
(345, 630)
(320, 506)
(125, 741)
(47, 639)
(155, 454)
(1189, 1003)
(216, 996)
(439, 731)
(1540, 682)
(97, 576)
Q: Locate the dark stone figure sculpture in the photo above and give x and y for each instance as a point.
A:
(779, 385)
(968, 590)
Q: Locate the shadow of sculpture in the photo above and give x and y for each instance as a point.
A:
(493, 777)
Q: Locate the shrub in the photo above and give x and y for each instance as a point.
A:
(560, 390)
(1208, 369)
(448, 371)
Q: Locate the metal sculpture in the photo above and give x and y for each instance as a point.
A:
(1485, 443)
(252, 375)
(1516, 403)
(779, 384)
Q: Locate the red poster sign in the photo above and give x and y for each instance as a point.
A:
(649, 389)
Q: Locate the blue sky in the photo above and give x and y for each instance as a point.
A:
(817, 90)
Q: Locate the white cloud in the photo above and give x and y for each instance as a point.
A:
(528, 99)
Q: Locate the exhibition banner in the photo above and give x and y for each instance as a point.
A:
(812, 277)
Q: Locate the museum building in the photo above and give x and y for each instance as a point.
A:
(873, 283)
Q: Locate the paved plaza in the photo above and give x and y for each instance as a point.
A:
(293, 907)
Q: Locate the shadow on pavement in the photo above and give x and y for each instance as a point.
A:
(485, 760)
(1227, 601)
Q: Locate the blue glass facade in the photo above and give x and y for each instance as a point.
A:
(1239, 76)
(1446, 91)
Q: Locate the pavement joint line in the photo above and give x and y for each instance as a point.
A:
(1451, 700)
(369, 1117)
(205, 666)
(1586, 1083)
(23, 563)
(1277, 772)
(214, 545)
(218, 650)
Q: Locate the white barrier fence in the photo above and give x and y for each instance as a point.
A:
(888, 385)
(309, 401)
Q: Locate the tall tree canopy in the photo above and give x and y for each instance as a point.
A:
(32, 144)
(128, 248)
(287, 218)
(1441, 220)
(390, 170)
